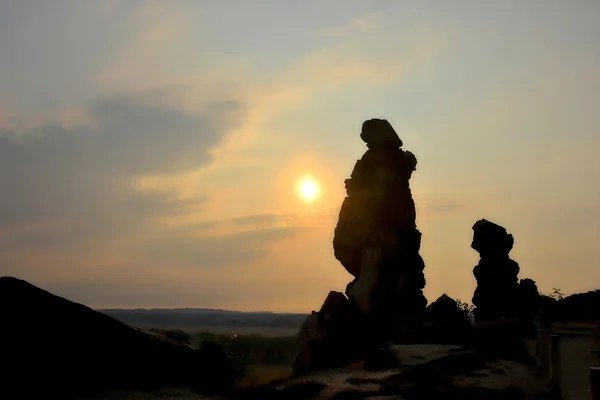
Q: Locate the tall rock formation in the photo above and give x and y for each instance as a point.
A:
(377, 241)
(376, 238)
(496, 274)
(499, 294)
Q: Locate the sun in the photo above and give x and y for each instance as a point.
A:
(308, 188)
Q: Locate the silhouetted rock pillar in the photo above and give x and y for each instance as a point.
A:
(499, 292)
(377, 241)
(496, 274)
(376, 238)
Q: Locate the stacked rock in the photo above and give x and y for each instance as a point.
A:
(496, 274)
(376, 238)
(377, 241)
(499, 294)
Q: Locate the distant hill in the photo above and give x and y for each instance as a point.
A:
(577, 307)
(219, 321)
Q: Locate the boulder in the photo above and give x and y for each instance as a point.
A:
(330, 337)
(449, 324)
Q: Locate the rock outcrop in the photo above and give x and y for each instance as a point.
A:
(499, 294)
(52, 347)
(449, 323)
(376, 238)
(421, 372)
(329, 338)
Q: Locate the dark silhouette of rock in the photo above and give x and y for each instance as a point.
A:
(445, 308)
(491, 240)
(376, 238)
(331, 337)
(498, 371)
(497, 289)
(499, 294)
(51, 346)
(449, 324)
(379, 132)
(530, 299)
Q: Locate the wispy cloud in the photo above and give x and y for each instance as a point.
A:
(357, 25)
(81, 182)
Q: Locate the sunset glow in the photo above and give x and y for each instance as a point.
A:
(195, 153)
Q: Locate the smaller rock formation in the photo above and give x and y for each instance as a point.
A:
(499, 294)
(445, 308)
(330, 337)
(450, 324)
(530, 299)
(496, 294)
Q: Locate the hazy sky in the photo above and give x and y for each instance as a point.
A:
(150, 150)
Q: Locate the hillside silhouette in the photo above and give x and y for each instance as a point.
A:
(70, 349)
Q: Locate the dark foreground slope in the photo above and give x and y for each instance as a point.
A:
(52, 346)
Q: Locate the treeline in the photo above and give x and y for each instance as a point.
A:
(580, 307)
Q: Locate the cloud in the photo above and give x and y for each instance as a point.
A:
(181, 249)
(52, 169)
(360, 24)
(75, 190)
(73, 211)
(256, 218)
(160, 37)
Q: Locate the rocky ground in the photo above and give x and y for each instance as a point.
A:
(162, 394)
(429, 372)
(421, 372)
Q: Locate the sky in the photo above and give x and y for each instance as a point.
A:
(150, 151)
